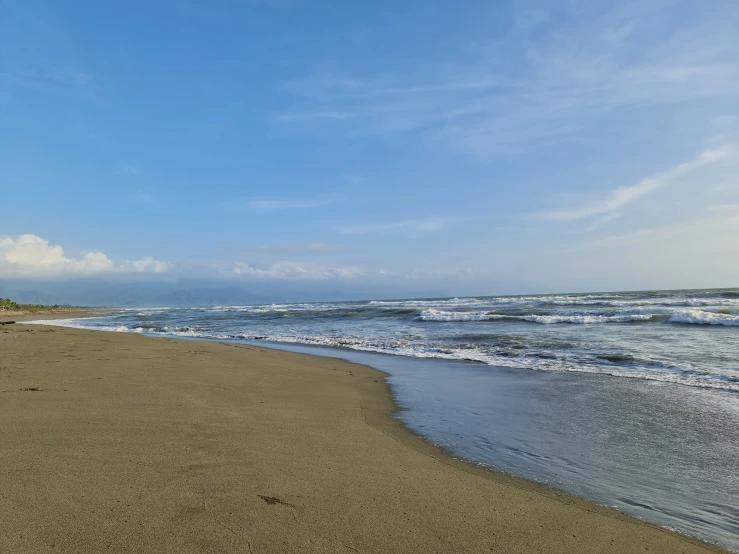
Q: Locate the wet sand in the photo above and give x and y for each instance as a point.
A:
(123, 443)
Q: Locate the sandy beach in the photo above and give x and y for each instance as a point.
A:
(123, 443)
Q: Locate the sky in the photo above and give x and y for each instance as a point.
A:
(467, 147)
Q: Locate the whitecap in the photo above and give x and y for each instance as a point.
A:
(702, 317)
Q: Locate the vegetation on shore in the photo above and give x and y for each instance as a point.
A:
(6, 304)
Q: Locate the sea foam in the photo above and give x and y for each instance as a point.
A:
(702, 317)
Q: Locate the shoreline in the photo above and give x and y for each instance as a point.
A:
(377, 407)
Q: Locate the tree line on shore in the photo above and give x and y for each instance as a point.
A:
(6, 304)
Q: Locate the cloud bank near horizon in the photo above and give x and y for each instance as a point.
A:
(32, 256)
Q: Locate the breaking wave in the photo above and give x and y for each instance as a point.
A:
(683, 316)
(700, 317)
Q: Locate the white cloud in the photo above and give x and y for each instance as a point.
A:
(278, 203)
(602, 221)
(145, 265)
(33, 256)
(142, 197)
(718, 229)
(413, 225)
(58, 78)
(726, 209)
(526, 20)
(295, 271)
(317, 115)
(622, 196)
(292, 249)
(129, 167)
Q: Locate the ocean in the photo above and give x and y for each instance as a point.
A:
(630, 399)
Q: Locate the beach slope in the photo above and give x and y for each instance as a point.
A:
(123, 443)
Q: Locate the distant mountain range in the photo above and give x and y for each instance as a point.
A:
(101, 292)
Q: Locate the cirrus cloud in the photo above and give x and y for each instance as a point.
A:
(426, 225)
(621, 196)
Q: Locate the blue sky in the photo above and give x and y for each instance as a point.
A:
(466, 147)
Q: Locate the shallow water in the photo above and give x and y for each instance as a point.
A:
(629, 399)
